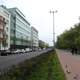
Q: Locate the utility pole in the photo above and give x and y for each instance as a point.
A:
(53, 27)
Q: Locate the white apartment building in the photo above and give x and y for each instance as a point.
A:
(15, 30)
(34, 38)
(4, 28)
(20, 30)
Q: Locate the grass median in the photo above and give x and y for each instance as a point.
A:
(43, 67)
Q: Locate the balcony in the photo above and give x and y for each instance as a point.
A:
(1, 28)
(2, 21)
(2, 39)
(2, 18)
(3, 36)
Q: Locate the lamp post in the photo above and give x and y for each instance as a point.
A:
(53, 27)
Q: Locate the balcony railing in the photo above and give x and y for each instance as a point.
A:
(3, 36)
(2, 18)
(2, 22)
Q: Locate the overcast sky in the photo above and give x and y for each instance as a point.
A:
(37, 13)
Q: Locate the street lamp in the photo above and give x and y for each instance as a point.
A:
(53, 27)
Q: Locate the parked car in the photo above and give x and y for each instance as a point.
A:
(23, 51)
(27, 50)
(16, 51)
(8, 52)
(3, 53)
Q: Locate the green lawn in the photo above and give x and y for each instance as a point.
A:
(43, 67)
(57, 71)
(48, 68)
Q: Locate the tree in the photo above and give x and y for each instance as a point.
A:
(70, 38)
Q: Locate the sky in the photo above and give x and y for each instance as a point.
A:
(37, 12)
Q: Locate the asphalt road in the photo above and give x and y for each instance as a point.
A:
(8, 61)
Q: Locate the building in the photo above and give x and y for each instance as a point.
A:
(15, 30)
(43, 44)
(4, 28)
(34, 38)
(20, 31)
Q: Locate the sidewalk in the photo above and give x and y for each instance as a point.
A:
(70, 64)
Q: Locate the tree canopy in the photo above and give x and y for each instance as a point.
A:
(69, 38)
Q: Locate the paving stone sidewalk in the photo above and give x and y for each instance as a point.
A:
(70, 64)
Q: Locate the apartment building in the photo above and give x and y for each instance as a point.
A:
(20, 31)
(4, 28)
(43, 45)
(34, 38)
(15, 30)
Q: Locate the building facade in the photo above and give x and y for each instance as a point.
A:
(4, 28)
(34, 38)
(43, 45)
(19, 29)
(15, 30)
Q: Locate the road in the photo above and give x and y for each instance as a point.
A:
(7, 61)
(70, 64)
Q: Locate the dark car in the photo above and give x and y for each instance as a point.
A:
(3, 53)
